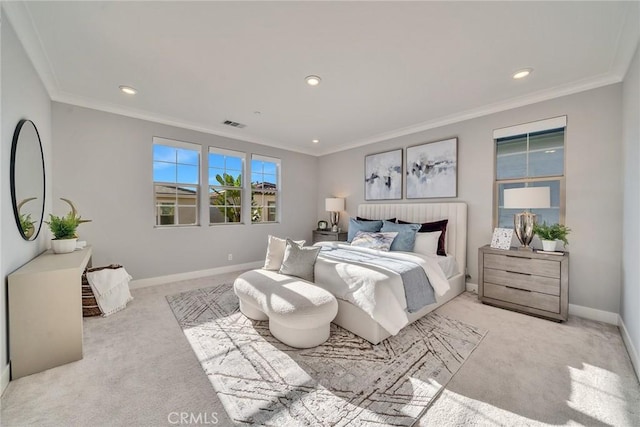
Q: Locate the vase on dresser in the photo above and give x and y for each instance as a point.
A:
(549, 245)
(63, 246)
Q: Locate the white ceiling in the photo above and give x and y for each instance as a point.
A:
(388, 68)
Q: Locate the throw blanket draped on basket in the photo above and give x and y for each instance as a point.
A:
(111, 289)
(418, 291)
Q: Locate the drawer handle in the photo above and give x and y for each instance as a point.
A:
(518, 289)
(517, 272)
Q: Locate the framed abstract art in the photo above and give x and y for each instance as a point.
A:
(383, 176)
(432, 169)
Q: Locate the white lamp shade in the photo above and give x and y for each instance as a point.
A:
(527, 198)
(334, 204)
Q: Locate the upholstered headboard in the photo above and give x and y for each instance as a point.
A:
(455, 212)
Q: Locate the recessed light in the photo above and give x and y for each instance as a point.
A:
(128, 90)
(315, 141)
(520, 74)
(312, 80)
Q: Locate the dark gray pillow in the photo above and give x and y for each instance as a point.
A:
(299, 261)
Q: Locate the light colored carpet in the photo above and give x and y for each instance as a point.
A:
(344, 382)
(139, 369)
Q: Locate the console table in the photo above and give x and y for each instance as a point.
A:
(45, 312)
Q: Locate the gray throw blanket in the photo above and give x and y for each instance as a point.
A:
(417, 288)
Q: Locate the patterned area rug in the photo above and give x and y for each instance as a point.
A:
(345, 382)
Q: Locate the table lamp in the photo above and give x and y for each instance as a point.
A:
(526, 198)
(335, 205)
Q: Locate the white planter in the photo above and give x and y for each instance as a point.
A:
(63, 246)
(549, 245)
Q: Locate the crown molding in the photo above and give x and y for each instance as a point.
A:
(29, 36)
(79, 101)
(540, 96)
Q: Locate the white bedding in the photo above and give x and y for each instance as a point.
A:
(377, 291)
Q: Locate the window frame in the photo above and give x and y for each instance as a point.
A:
(156, 205)
(277, 191)
(525, 130)
(230, 153)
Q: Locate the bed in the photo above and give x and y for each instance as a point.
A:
(361, 322)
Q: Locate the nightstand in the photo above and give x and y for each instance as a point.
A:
(329, 236)
(525, 281)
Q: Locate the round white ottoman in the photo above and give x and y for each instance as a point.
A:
(299, 312)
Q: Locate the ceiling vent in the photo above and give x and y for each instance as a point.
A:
(233, 124)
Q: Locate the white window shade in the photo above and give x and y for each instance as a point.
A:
(523, 129)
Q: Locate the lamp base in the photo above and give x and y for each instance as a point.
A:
(334, 218)
(523, 226)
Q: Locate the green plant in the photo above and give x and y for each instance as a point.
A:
(64, 227)
(552, 232)
(229, 201)
(26, 224)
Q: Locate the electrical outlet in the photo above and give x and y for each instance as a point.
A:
(230, 257)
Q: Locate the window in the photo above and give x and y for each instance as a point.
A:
(531, 155)
(176, 172)
(265, 189)
(225, 186)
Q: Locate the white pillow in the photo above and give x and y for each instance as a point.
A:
(427, 243)
(275, 252)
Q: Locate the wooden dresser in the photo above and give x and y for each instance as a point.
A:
(525, 281)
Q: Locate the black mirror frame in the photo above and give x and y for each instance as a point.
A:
(14, 146)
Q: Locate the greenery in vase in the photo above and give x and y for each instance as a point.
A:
(64, 227)
(552, 232)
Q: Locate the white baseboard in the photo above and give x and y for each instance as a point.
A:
(161, 280)
(633, 352)
(594, 314)
(472, 287)
(4, 378)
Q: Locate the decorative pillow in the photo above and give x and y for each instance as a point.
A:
(299, 261)
(406, 238)
(356, 225)
(275, 252)
(359, 218)
(427, 243)
(428, 227)
(372, 240)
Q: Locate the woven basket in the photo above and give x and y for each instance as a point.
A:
(90, 306)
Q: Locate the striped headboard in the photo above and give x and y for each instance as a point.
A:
(455, 212)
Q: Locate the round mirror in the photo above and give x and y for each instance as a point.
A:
(27, 179)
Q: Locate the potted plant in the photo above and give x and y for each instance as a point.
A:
(64, 232)
(550, 234)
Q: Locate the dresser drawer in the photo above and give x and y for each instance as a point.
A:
(545, 285)
(525, 298)
(321, 237)
(538, 267)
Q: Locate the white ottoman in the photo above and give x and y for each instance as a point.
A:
(299, 312)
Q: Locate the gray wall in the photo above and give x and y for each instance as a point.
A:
(23, 97)
(593, 184)
(103, 163)
(630, 298)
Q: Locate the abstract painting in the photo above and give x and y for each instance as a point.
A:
(432, 169)
(383, 176)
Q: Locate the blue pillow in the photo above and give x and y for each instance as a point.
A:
(355, 226)
(406, 238)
